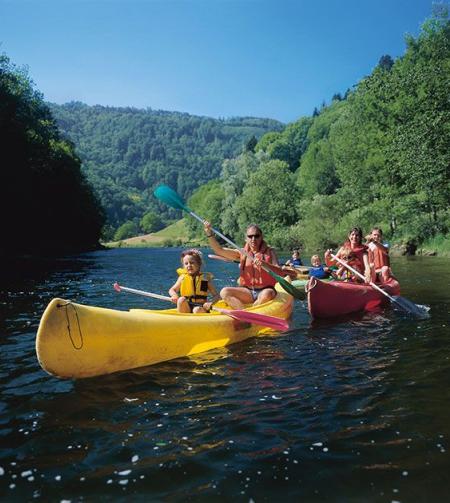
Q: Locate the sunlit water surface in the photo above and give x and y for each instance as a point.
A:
(356, 409)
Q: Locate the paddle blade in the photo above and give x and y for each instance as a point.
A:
(117, 287)
(170, 197)
(255, 318)
(287, 287)
(416, 310)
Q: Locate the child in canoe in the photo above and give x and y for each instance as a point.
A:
(190, 291)
(378, 254)
(350, 257)
(317, 269)
(295, 260)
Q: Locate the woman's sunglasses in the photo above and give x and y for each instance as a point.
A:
(253, 236)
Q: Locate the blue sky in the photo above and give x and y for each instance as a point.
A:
(219, 58)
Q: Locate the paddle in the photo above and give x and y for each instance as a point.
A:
(405, 304)
(170, 197)
(289, 270)
(237, 314)
(218, 257)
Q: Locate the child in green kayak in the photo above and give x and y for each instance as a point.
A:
(317, 269)
(190, 291)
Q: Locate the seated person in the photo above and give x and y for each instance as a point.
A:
(295, 260)
(317, 269)
(192, 287)
(378, 254)
(256, 285)
(354, 244)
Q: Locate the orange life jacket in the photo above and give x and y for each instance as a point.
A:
(359, 251)
(378, 256)
(252, 276)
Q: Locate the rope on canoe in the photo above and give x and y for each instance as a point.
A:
(69, 303)
(311, 284)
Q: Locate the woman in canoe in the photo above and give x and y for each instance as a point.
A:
(191, 289)
(353, 247)
(255, 285)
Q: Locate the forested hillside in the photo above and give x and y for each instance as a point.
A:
(380, 155)
(46, 205)
(126, 152)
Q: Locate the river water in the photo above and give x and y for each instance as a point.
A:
(355, 409)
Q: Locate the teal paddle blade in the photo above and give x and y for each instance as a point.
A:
(170, 197)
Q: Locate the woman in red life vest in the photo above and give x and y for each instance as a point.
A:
(255, 284)
(378, 255)
(359, 250)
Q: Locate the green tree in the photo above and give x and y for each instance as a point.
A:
(151, 222)
(127, 230)
(45, 202)
(127, 152)
(289, 145)
(235, 174)
(206, 201)
(317, 173)
(251, 144)
(269, 198)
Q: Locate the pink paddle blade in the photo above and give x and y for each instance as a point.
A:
(257, 319)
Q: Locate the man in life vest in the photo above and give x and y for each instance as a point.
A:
(378, 254)
(255, 284)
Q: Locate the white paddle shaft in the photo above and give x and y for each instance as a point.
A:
(354, 271)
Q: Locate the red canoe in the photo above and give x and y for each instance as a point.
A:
(335, 298)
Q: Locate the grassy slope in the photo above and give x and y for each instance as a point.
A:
(172, 235)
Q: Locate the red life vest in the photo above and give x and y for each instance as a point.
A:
(378, 257)
(252, 276)
(359, 251)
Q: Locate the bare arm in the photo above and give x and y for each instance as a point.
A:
(328, 260)
(380, 246)
(367, 273)
(174, 289)
(215, 296)
(219, 250)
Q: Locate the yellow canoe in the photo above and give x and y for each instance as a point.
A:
(75, 341)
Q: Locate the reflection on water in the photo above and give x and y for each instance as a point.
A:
(354, 409)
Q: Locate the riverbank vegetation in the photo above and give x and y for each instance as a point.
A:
(46, 204)
(377, 156)
(127, 152)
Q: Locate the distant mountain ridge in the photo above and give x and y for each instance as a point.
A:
(126, 152)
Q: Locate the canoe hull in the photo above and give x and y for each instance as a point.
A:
(76, 341)
(336, 298)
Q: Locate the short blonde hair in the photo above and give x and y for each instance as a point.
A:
(314, 257)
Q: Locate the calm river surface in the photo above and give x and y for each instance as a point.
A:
(353, 410)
